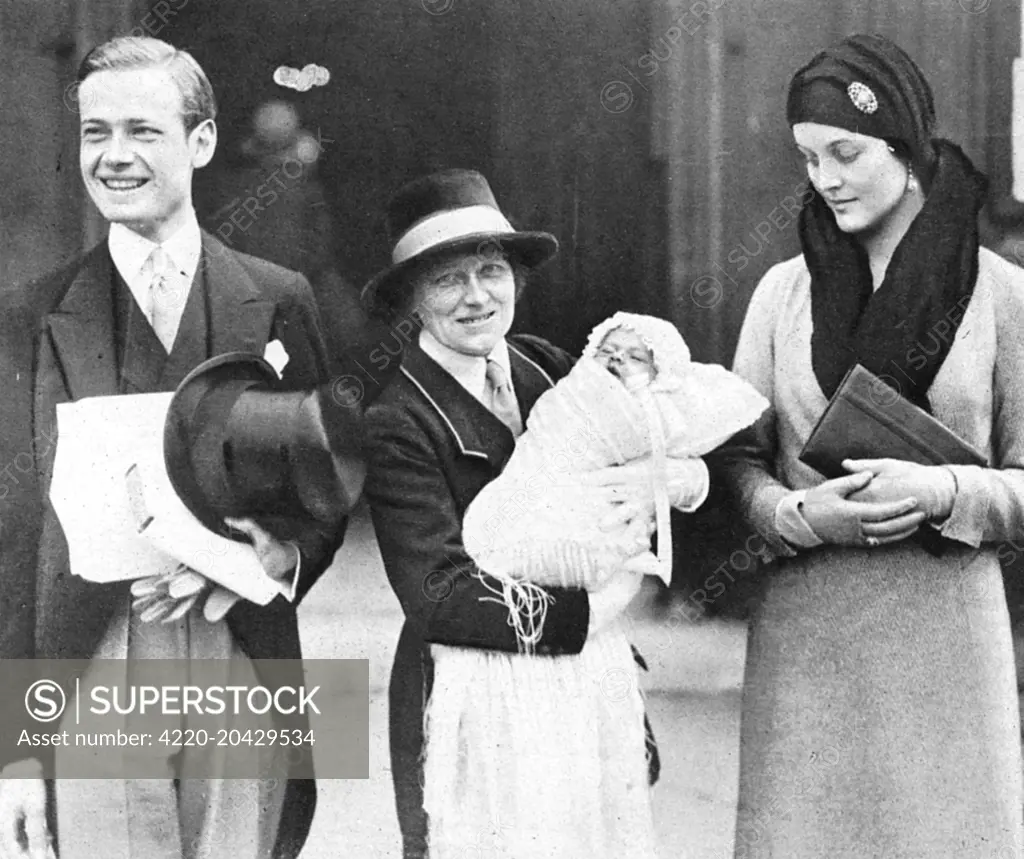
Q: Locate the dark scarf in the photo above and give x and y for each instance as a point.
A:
(894, 331)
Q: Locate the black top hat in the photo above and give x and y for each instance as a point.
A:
(235, 445)
(446, 212)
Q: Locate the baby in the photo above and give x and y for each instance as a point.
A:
(624, 354)
(634, 399)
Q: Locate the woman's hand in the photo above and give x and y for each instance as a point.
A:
(837, 518)
(933, 486)
(628, 490)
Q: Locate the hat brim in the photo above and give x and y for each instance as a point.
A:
(530, 249)
(241, 370)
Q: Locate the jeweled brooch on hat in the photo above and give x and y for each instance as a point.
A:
(862, 97)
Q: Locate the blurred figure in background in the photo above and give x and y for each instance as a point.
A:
(269, 201)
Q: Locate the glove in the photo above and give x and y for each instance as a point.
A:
(835, 518)
(171, 596)
(687, 482)
(934, 486)
(168, 597)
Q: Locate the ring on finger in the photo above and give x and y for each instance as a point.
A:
(871, 542)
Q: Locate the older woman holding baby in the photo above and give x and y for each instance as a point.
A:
(879, 707)
(444, 430)
(441, 431)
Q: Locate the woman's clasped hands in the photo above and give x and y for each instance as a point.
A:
(880, 501)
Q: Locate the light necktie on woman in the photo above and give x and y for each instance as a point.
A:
(503, 401)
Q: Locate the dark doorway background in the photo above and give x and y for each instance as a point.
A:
(514, 92)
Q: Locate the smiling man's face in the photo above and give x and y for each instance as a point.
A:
(136, 157)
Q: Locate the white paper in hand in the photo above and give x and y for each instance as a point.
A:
(99, 440)
(170, 527)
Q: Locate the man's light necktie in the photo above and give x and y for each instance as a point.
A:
(167, 293)
(503, 401)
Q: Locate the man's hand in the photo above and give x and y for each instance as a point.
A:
(278, 559)
(23, 830)
(169, 597)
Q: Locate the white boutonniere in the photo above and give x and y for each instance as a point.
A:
(276, 356)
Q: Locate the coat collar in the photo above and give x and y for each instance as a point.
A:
(476, 431)
(529, 379)
(240, 318)
(82, 326)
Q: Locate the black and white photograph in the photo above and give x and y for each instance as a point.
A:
(478, 429)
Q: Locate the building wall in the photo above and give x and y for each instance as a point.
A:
(44, 216)
(720, 130)
(514, 91)
(39, 216)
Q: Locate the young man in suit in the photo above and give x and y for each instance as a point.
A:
(135, 315)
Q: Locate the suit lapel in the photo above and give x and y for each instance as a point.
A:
(477, 432)
(77, 358)
(240, 319)
(82, 330)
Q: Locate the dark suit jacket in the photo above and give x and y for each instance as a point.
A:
(433, 447)
(64, 350)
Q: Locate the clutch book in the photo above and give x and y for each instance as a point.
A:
(867, 419)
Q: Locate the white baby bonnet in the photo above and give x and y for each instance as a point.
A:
(671, 354)
(705, 406)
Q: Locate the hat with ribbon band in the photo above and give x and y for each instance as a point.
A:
(447, 212)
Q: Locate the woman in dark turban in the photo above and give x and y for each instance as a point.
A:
(879, 709)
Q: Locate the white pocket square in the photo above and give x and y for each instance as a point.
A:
(276, 356)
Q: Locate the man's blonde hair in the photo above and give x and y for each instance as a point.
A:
(144, 52)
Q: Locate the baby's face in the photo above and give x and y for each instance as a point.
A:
(623, 354)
